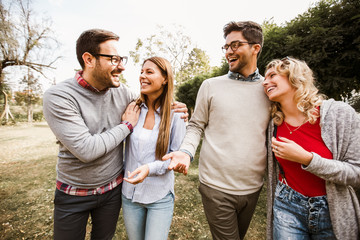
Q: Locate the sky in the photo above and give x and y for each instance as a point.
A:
(202, 20)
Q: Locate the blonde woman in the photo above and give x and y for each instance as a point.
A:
(317, 155)
(148, 190)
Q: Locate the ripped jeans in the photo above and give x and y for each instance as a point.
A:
(298, 217)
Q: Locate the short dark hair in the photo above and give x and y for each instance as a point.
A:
(251, 31)
(90, 40)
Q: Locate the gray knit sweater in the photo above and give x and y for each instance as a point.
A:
(87, 126)
(340, 130)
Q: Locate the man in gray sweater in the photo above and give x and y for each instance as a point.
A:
(90, 117)
(232, 112)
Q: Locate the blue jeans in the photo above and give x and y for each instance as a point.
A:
(148, 221)
(298, 217)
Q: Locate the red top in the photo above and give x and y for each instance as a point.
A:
(308, 136)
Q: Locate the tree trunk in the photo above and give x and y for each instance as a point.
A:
(6, 113)
(30, 113)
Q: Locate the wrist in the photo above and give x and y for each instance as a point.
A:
(188, 153)
(308, 159)
(128, 124)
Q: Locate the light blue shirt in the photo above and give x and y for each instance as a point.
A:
(160, 180)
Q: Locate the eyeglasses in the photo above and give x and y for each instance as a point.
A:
(234, 45)
(115, 59)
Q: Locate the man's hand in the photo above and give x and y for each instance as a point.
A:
(180, 161)
(131, 114)
(142, 172)
(180, 107)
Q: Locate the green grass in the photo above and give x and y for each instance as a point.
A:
(28, 156)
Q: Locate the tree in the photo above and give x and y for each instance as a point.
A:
(30, 93)
(273, 43)
(354, 101)
(24, 41)
(327, 37)
(187, 91)
(122, 79)
(176, 47)
(197, 63)
(172, 45)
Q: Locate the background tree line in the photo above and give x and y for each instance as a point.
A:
(327, 37)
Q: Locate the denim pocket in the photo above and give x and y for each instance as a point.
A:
(279, 193)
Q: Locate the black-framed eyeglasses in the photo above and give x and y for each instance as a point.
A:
(234, 45)
(115, 59)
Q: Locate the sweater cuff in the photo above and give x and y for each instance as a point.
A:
(188, 153)
(130, 127)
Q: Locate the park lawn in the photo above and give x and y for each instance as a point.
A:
(28, 156)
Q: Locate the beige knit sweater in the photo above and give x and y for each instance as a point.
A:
(232, 116)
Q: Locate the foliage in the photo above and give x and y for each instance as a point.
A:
(176, 47)
(6, 88)
(122, 79)
(23, 117)
(22, 97)
(187, 91)
(24, 40)
(355, 102)
(197, 63)
(327, 37)
(21, 113)
(30, 90)
(171, 44)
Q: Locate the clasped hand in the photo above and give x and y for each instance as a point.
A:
(290, 150)
(180, 161)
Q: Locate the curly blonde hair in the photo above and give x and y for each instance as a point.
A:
(306, 96)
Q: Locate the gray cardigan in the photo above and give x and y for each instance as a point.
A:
(340, 130)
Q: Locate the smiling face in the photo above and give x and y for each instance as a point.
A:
(277, 87)
(106, 74)
(242, 58)
(152, 81)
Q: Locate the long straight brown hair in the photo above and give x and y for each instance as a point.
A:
(165, 100)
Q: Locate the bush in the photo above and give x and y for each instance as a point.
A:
(38, 116)
(355, 103)
(20, 117)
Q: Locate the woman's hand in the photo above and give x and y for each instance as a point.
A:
(142, 172)
(290, 150)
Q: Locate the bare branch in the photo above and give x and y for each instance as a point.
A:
(24, 40)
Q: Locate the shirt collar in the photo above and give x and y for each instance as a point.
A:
(146, 107)
(82, 82)
(255, 76)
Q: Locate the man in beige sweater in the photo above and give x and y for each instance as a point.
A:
(232, 113)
